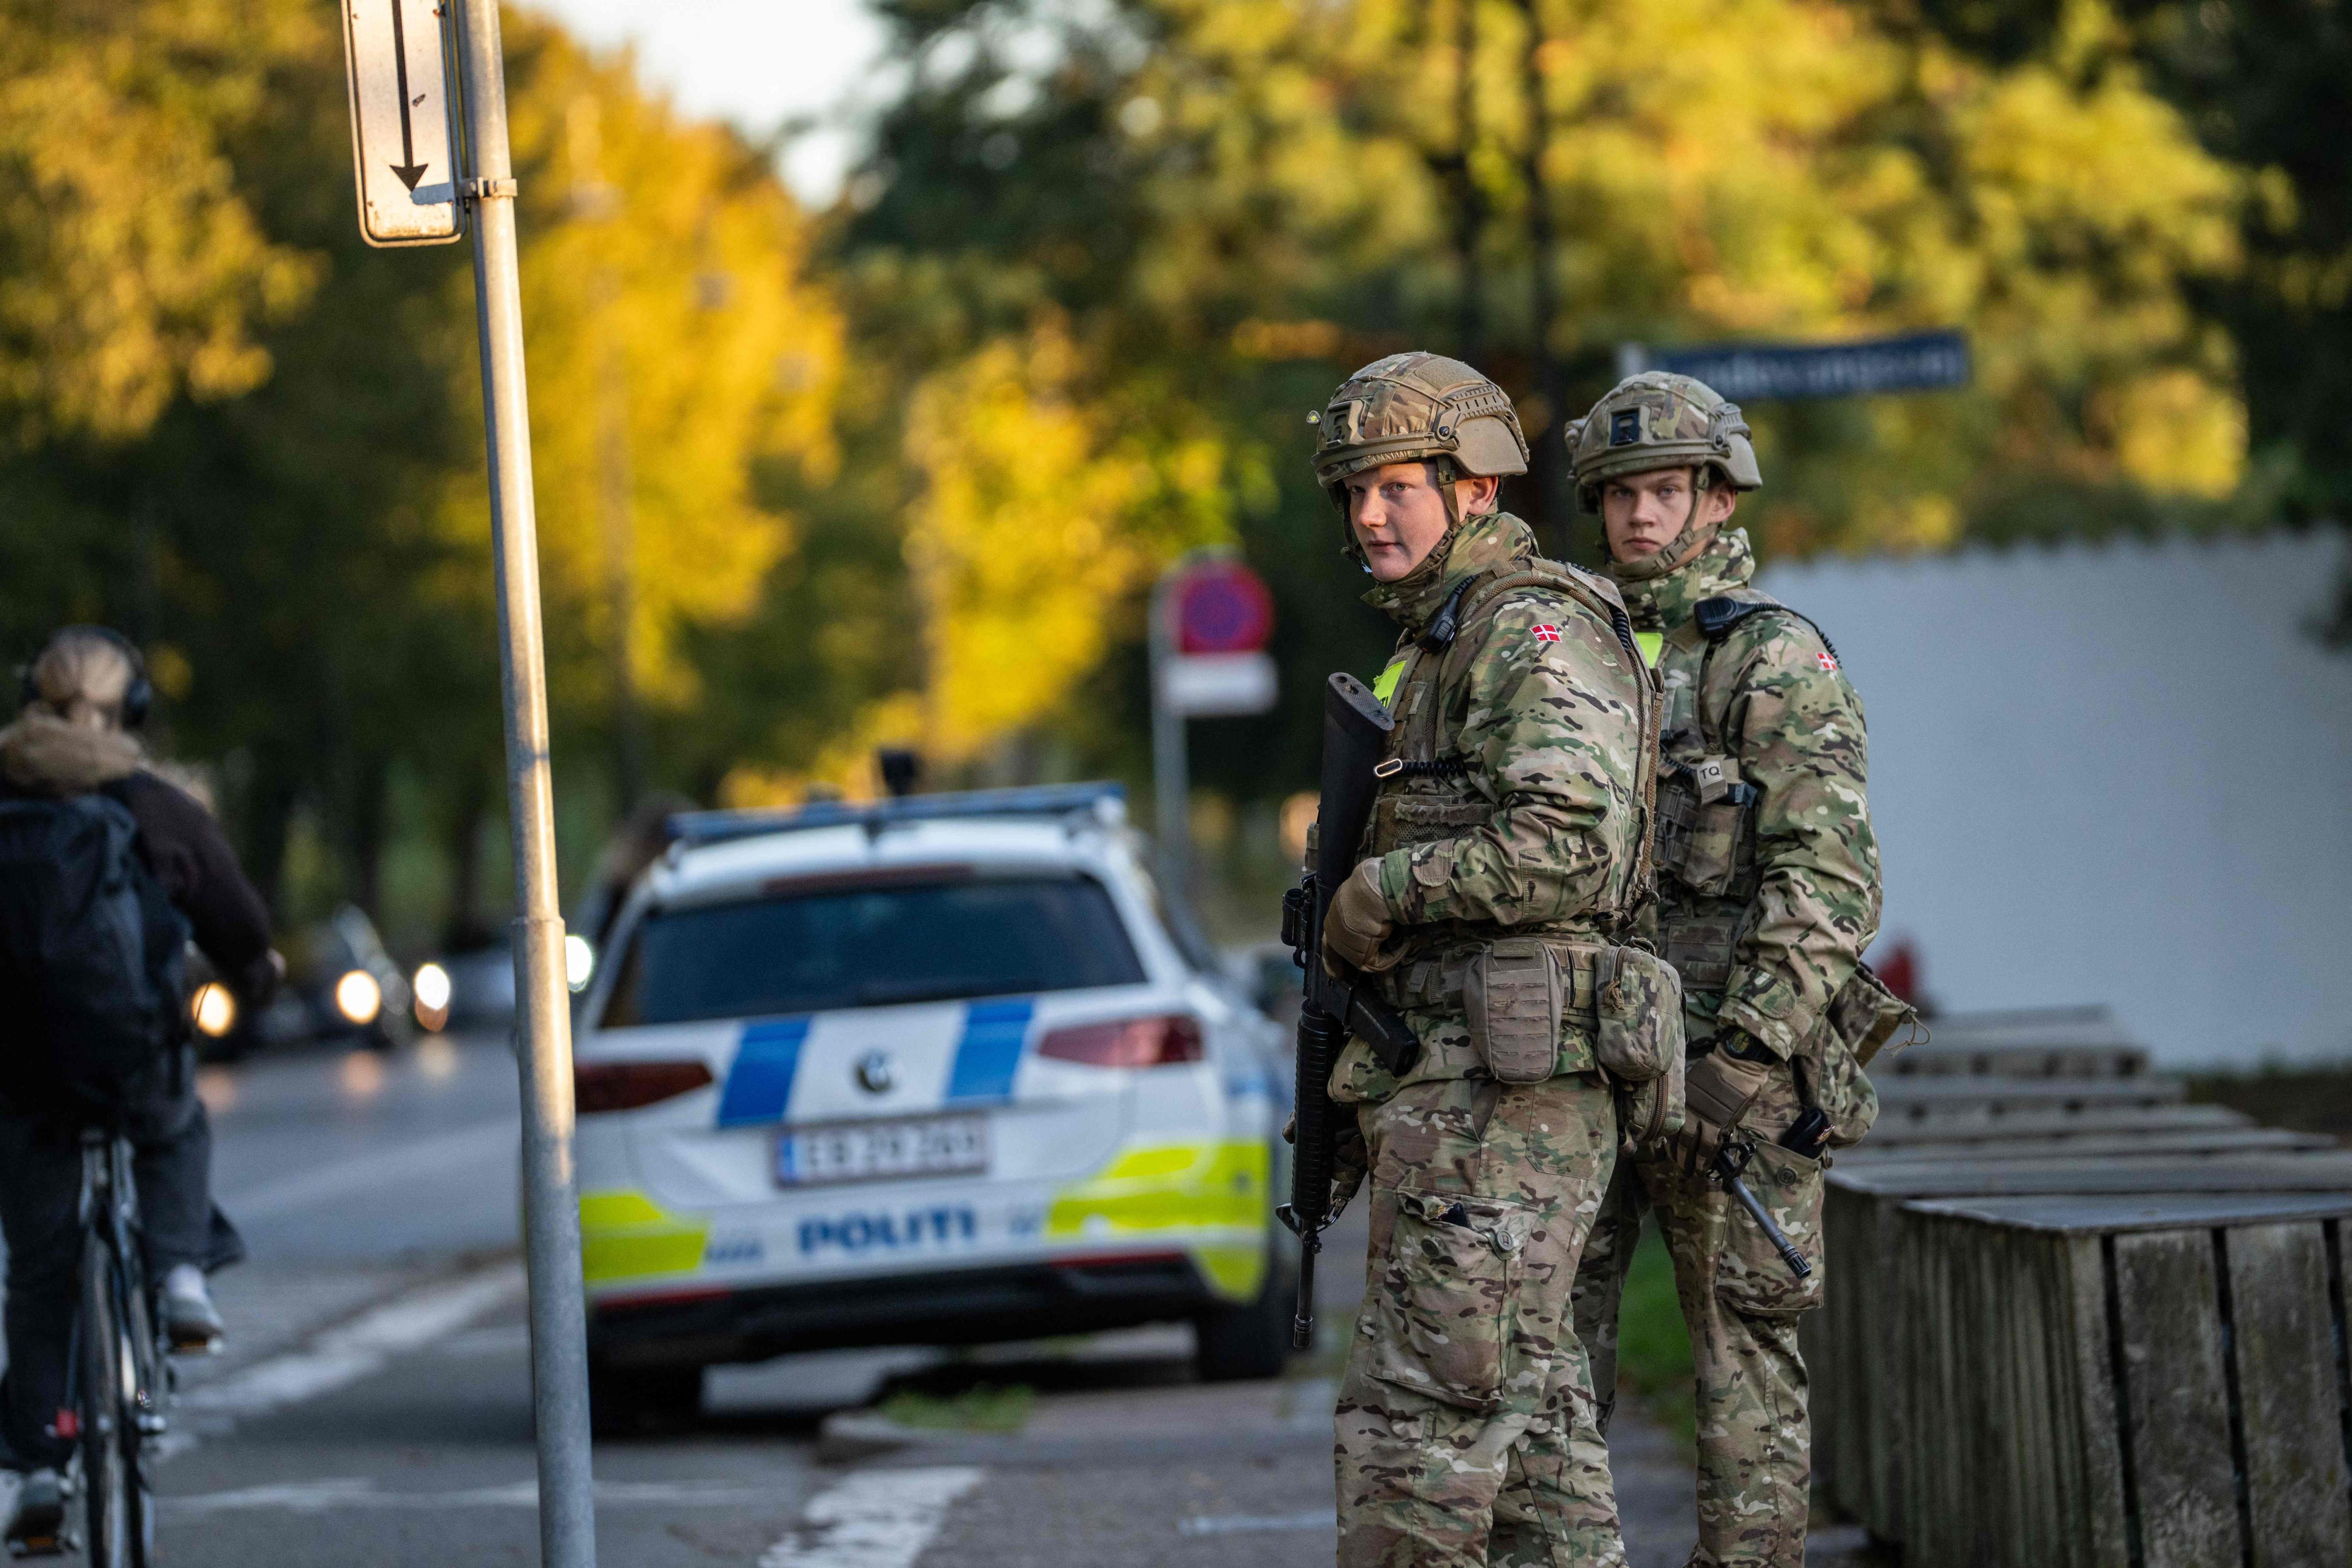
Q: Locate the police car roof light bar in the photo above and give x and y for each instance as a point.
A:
(1105, 801)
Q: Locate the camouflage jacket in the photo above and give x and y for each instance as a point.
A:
(1767, 882)
(1517, 808)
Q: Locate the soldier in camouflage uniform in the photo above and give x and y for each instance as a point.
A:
(1512, 807)
(1767, 895)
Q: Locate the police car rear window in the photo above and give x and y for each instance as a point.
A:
(870, 947)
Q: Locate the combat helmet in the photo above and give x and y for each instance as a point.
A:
(1658, 420)
(1411, 407)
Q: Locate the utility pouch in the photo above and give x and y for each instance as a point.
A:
(1513, 996)
(1866, 1014)
(1441, 1307)
(1703, 823)
(1649, 1113)
(1864, 1018)
(1637, 1005)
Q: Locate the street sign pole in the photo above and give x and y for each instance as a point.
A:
(1171, 785)
(558, 1351)
(1209, 619)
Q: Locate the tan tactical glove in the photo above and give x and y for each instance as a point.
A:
(1358, 922)
(1717, 1089)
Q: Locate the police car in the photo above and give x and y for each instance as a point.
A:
(940, 1071)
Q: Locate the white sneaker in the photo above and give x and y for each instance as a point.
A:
(190, 1317)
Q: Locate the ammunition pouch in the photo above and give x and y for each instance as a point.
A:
(1513, 995)
(1540, 1005)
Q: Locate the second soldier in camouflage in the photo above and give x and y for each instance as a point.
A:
(1767, 895)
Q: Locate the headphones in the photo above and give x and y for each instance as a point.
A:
(137, 698)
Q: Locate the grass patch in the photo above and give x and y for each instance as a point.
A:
(1653, 1351)
(2306, 1099)
(983, 1408)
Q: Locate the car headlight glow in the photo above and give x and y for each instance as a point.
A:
(213, 1009)
(357, 998)
(579, 960)
(433, 987)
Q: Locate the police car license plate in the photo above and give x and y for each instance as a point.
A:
(882, 1150)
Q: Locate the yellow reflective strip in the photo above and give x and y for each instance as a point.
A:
(633, 1256)
(1138, 1164)
(1237, 1272)
(1651, 643)
(625, 1235)
(1385, 686)
(604, 1211)
(1167, 1186)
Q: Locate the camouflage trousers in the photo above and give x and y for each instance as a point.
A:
(1740, 1303)
(1466, 1427)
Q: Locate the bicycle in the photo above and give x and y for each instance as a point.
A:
(118, 1374)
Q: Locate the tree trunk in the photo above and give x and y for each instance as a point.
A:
(363, 838)
(268, 817)
(464, 926)
(1546, 410)
(1469, 213)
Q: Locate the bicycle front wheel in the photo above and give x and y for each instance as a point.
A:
(116, 1513)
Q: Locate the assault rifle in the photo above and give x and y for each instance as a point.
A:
(1355, 727)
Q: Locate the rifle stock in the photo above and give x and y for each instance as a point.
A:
(1356, 726)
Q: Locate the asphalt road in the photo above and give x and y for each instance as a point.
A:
(374, 1406)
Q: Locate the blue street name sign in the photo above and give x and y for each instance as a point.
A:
(1750, 373)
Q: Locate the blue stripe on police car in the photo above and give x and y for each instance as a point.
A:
(773, 1054)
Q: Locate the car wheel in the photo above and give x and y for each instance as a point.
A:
(636, 1401)
(1252, 1340)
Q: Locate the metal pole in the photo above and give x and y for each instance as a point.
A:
(559, 1351)
(1170, 785)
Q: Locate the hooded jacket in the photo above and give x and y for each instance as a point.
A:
(42, 756)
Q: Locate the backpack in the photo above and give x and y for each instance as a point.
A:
(92, 959)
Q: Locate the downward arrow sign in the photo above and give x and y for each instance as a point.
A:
(409, 169)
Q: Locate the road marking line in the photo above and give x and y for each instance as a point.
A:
(382, 1170)
(1245, 1523)
(362, 1493)
(343, 1355)
(873, 1519)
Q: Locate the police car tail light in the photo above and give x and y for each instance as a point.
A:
(626, 1086)
(1127, 1042)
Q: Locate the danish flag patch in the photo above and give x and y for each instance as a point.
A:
(1827, 661)
(1547, 634)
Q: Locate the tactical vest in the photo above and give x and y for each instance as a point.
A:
(1706, 853)
(1428, 790)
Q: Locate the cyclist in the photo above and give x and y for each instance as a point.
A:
(84, 698)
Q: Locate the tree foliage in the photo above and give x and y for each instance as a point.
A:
(904, 471)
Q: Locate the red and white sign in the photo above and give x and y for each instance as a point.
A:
(1547, 634)
(1222, 606)
(1218, 615)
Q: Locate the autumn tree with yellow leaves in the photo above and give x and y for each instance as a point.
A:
(1221, 207)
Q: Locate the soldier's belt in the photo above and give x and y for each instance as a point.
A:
(1439, 980)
